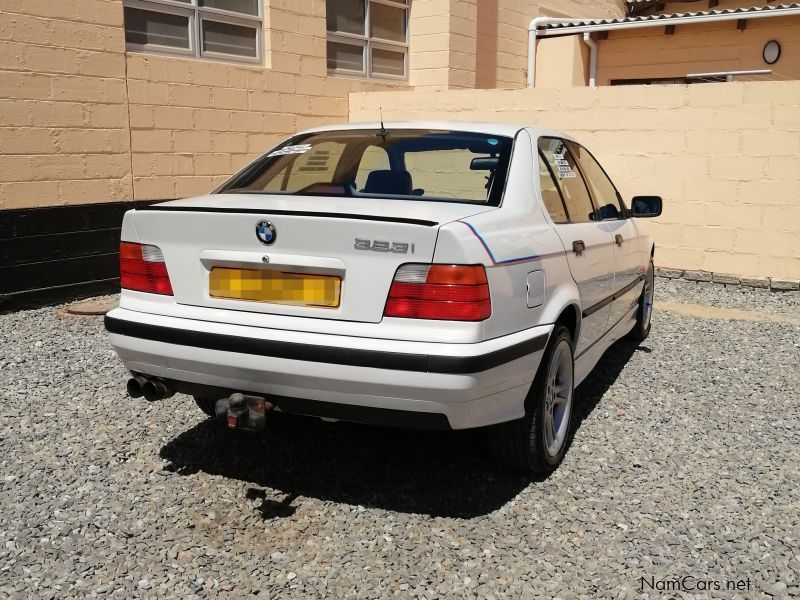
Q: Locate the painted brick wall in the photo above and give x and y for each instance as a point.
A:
(81, 121)
(484, 44)
(723, 156)
(502, 45)
(63, 113)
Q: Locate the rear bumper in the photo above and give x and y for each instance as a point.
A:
(409, 384)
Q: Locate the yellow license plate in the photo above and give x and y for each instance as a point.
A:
(278, 287)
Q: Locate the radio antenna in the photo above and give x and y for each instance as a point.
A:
(383, 132)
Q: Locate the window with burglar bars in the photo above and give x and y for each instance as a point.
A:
(219, 29)
(368, 38)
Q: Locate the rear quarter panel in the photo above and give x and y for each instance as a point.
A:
(511, 242)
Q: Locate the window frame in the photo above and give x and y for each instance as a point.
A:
(558, 189)
(367, 43)
(623, 209)
(558, 180)
(196, 15)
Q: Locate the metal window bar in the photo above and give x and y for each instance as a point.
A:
(728, 75)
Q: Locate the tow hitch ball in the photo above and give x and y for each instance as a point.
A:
(243, 412)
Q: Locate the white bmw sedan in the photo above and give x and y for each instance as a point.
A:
(429, 275)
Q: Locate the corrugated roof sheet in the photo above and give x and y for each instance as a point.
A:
(726, 11)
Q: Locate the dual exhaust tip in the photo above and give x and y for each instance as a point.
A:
(151, 388)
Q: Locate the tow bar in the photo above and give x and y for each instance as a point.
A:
(243, 412)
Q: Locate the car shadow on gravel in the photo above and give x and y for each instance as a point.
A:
(435, 473)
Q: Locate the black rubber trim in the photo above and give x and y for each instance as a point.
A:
(376, 359)
(371, 415)
(594, 343)
(606, 301)
(295, 213)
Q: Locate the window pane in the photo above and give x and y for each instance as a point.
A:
(573, 188)
(347, 16)
(605, 195)
(386, 62)
(387, 22)
(550, 194)
(345, 56)
(229, 39)
(146, 27)
(404, 164)
(247, 7)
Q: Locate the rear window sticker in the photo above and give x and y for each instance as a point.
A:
(298, 149)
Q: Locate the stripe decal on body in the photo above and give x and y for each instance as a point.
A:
(510, 261)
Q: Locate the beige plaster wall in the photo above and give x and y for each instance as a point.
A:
(723, 156)
(703, 48)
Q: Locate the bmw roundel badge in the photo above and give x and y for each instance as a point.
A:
(265, 231)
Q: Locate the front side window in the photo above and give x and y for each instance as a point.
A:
(573, 188)
(368, 38)
(220, 29)
(402, 164)
(605, 194)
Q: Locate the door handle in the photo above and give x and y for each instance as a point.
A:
(578, 247)
(618, 239)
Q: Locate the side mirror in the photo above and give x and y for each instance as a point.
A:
(646, 206)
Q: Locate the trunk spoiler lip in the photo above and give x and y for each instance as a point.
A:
(299, 213)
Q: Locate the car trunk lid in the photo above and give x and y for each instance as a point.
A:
(345, 250)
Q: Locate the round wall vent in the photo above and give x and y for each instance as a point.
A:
(772, 52)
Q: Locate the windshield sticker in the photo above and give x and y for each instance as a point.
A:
(493, 141)
(298, 149)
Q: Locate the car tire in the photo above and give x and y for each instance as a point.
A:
(206, 405)
(536, 443)
(644, 313)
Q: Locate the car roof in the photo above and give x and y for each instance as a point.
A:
(502, 129)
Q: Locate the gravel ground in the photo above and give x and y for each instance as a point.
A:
(685, 463)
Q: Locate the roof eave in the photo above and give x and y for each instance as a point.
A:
(668, 20)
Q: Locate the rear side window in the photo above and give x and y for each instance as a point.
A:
(570, 181)
(401, 164)
(603, 190)
(550, 194)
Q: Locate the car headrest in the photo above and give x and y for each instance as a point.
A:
(388, 182)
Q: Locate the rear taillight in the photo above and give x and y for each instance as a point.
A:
(442, 292)
(142, 268)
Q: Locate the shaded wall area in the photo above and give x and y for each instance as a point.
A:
(703, 48)
(723, 156)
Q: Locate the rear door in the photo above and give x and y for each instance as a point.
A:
(612, 213)
(587, 242)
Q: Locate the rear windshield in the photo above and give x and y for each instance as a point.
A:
(406, 164)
